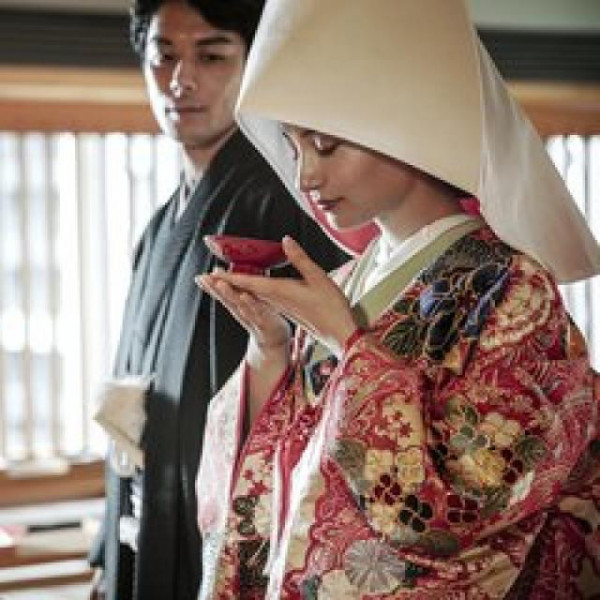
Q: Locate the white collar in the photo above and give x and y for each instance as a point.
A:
(185, 194)
(388, 256)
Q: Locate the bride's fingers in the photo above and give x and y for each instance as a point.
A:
(206, 282)
(266, 321)
(309, 270)
(265, 288)
(252, 309)
(252, 313)
(225, 294)
(213, 286)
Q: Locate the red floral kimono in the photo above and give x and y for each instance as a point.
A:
(452, 452)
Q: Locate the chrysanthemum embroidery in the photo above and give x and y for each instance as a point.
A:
(373, 568)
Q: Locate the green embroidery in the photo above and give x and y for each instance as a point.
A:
(350, 454)
(531, 450)
(438, 542)
(310, 588)
(405, 338)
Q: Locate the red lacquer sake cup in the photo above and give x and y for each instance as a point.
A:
(246, 255)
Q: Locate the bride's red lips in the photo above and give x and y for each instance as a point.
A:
(184, 109)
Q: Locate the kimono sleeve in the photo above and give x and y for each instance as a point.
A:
(436, 463)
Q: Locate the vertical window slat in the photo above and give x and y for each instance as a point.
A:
(52, 265)
(84, 286)
(4, 191)
(97, 194)
(25, 296)
(70, 317)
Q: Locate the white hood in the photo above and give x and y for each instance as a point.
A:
(411, 79)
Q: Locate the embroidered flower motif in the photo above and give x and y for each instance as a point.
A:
(515, 467)
(402, 421)
(383, 517)
(459, 412)
(415, 513)
(386, 490)
(406, 337)
(373, 568)
(462, 509)
(253, 555)
(254, 515)
(243, 507)
(485, 287)
(468, 439)
(503, 432)
(529, 450)
(481, 468)
(464, 419)
(251, 481)
(411, 471)
(350, 455)
(335, 585)
(526, 307)
(445, 319)
(454, 303)
(377, 462)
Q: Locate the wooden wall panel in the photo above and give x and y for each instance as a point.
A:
(102, 100)
(73, 99)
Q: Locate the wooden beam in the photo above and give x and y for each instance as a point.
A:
(71, 99)
(104, 100)
(77, 117)
(72, 84)
(559, 108)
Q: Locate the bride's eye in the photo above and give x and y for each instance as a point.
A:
(325, 144)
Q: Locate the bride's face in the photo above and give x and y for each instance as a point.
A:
(351, 184)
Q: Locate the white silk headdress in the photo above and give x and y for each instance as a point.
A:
(411, 79)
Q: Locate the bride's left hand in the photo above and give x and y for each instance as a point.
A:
(314, 301)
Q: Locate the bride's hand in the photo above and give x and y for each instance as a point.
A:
(269, 331)
(315, 302)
